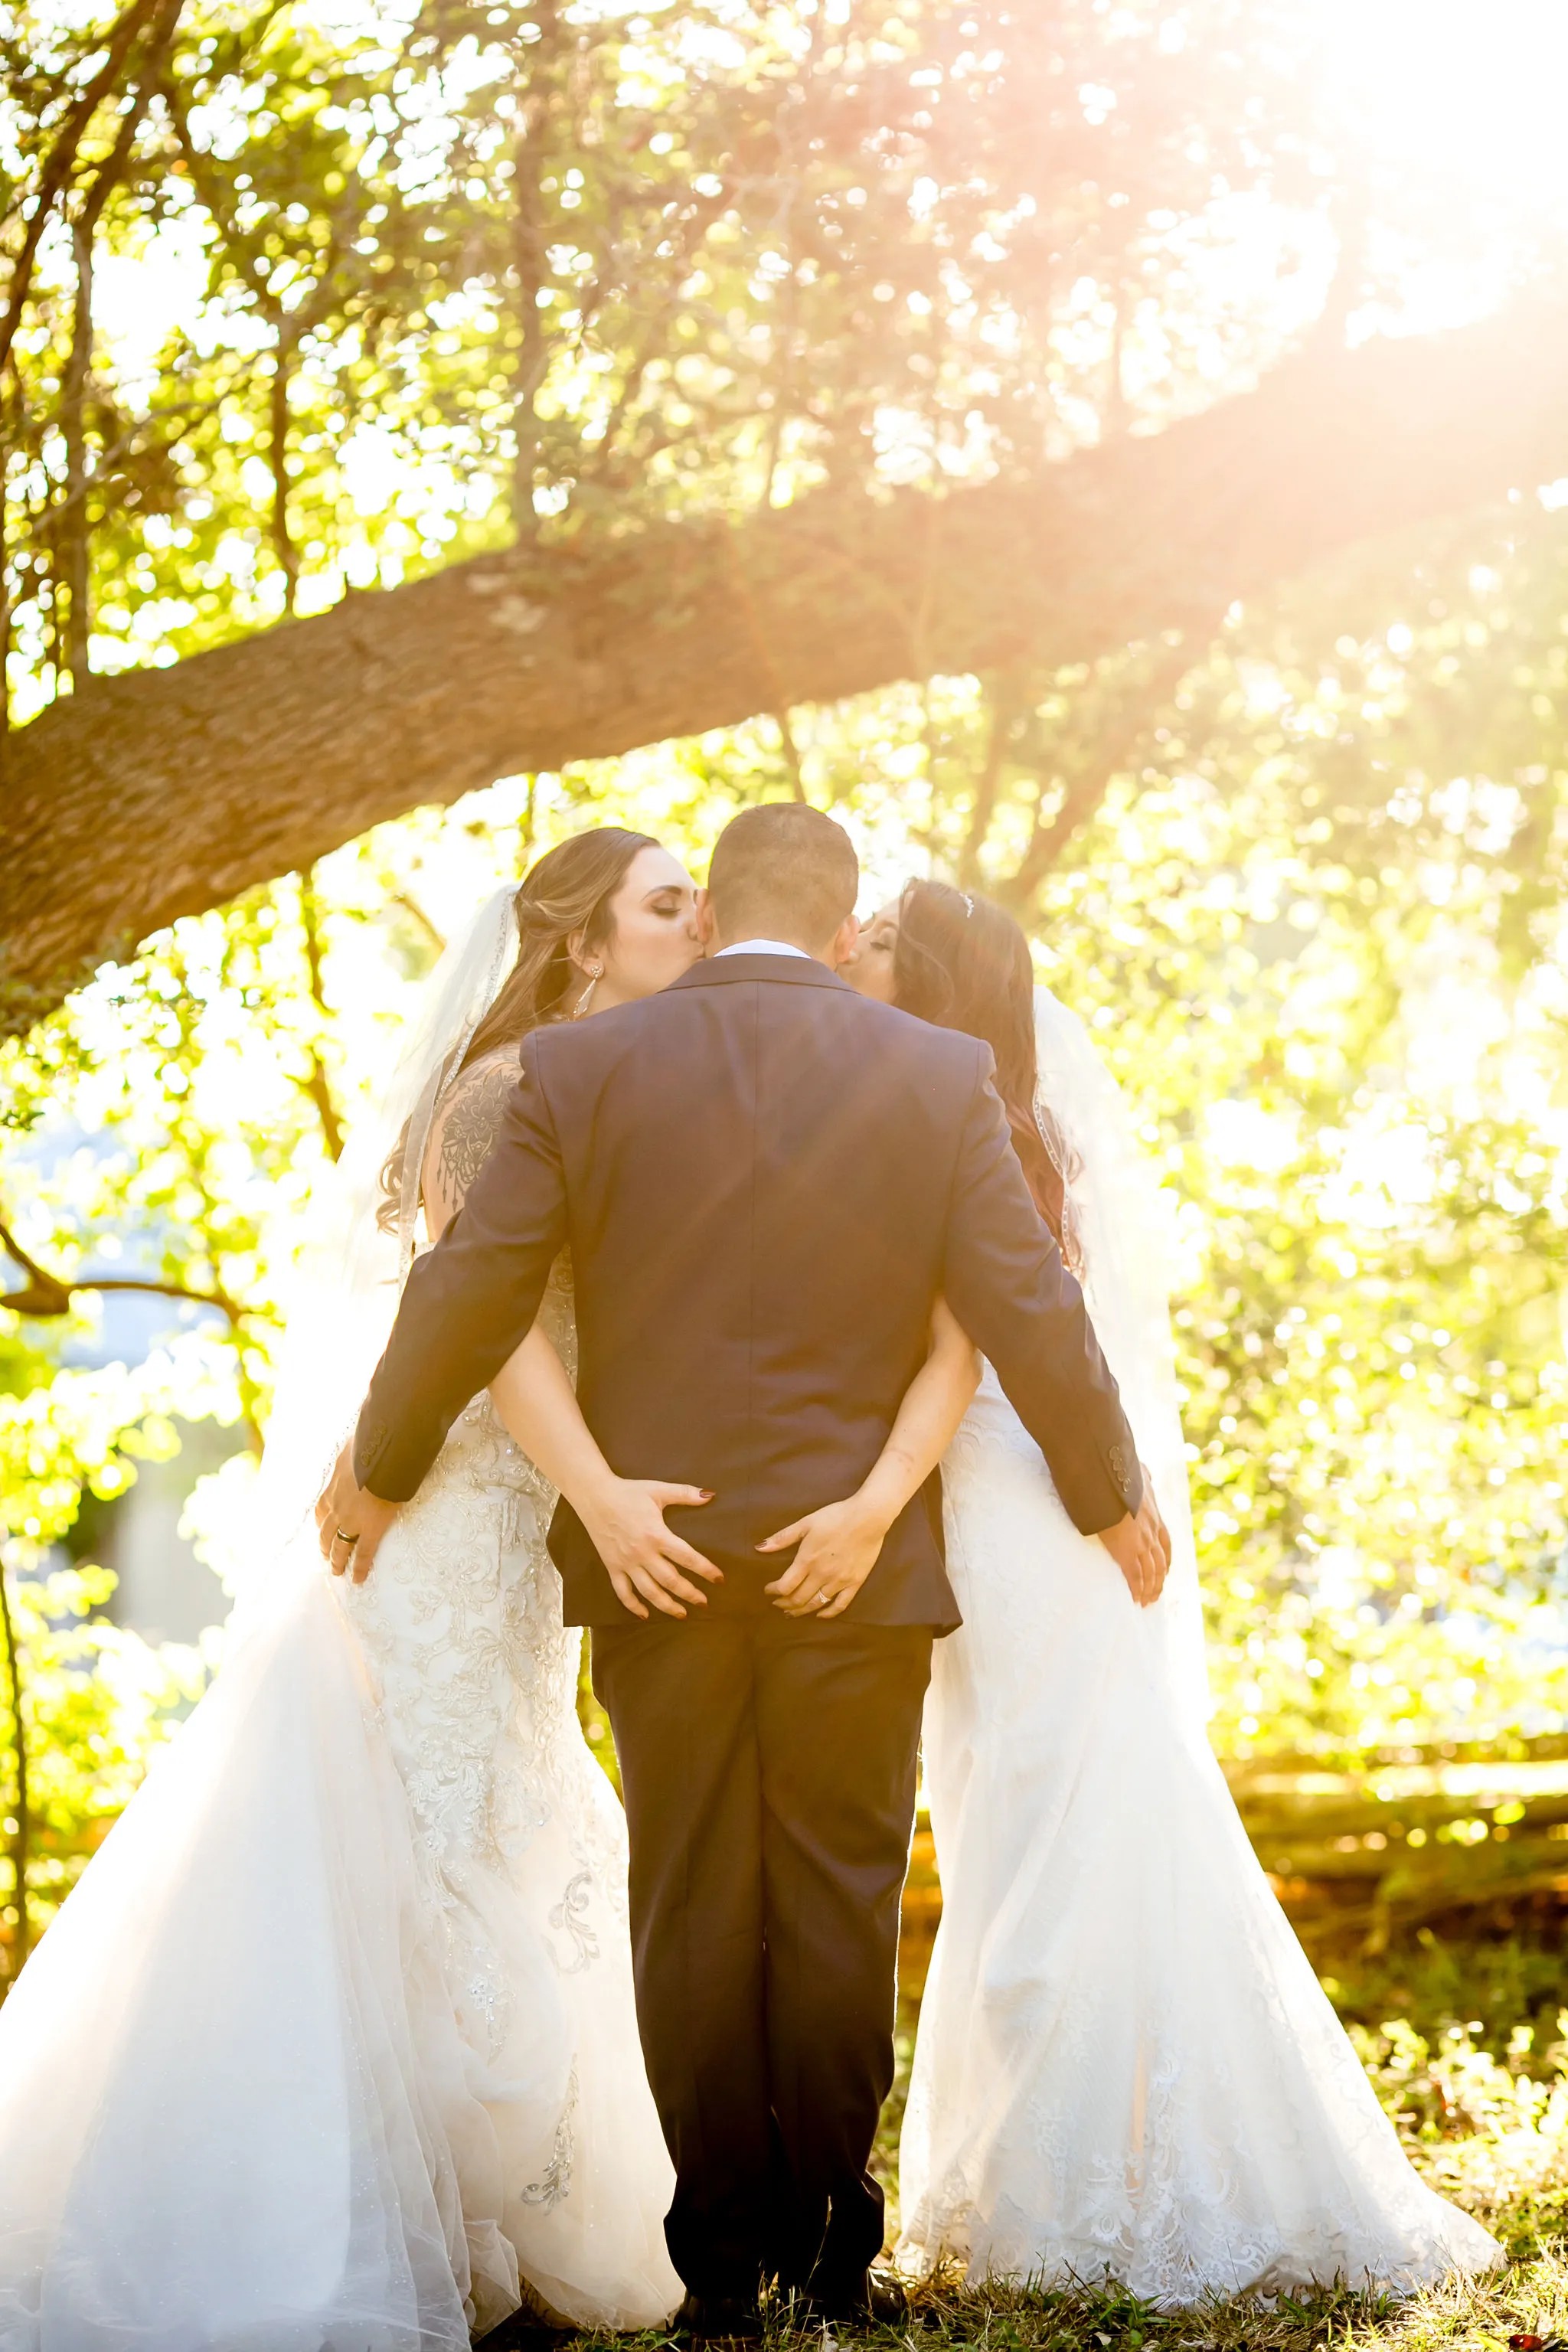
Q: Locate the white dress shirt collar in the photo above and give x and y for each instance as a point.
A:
(765, 947)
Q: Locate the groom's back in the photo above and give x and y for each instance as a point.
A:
(759, 1166)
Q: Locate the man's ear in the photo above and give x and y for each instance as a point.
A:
(843, 943)
(707, 924)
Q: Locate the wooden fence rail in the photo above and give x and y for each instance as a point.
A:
(1407, 1837)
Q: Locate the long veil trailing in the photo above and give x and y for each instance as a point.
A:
(1118, 1228)
(355, 1258)
(235, 2103)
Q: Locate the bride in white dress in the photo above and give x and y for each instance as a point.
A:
(1125, 2065)
(333, 2048)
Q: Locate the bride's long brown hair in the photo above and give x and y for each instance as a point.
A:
(962, 962)
(568, 891)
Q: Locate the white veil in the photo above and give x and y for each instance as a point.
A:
(352, 1269)
(260, 1897)
(1115, 1236)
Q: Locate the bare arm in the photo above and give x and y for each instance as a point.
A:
(841, 1544)
(537, 1403)
(624, 1517)
(1006, 1276)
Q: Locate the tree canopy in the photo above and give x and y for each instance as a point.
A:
(760, 354)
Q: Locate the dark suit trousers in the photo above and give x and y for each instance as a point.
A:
(769, 1774)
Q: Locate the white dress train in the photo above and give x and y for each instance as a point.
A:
(1125, 2066)
(335, 2040)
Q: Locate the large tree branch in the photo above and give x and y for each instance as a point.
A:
(20, 1826)
(165, 791)
(45, 1294)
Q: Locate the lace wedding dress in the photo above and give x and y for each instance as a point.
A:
(333, 2048)
(1125, 2065)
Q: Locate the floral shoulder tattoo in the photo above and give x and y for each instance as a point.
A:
(470, 1124)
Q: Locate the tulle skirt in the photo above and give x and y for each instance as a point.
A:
(1125, 2065)
(245, 2104)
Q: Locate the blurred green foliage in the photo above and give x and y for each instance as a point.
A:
(325, 302)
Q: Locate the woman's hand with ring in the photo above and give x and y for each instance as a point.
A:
(839, 1547)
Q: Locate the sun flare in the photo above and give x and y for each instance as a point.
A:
(1462, 100)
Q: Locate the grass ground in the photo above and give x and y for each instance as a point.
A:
(1467, 2042)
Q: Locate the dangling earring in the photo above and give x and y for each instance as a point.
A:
(596, 972)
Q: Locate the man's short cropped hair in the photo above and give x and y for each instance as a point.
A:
(783, 870)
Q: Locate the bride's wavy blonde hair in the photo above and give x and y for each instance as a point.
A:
(569, 889)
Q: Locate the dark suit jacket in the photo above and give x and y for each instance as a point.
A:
(764, 1180)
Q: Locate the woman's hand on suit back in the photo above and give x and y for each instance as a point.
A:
(647, 1561)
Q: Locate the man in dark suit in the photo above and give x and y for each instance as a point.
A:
(764, 1180)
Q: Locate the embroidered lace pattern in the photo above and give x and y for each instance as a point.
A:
(368, 1919)
(519, 1840)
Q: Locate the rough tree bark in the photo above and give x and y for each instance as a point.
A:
(167, 792)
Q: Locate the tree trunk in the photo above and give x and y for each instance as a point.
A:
(169, 790)
(20, 1837)
(283, 546)
(74, 561)
(531, 273)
